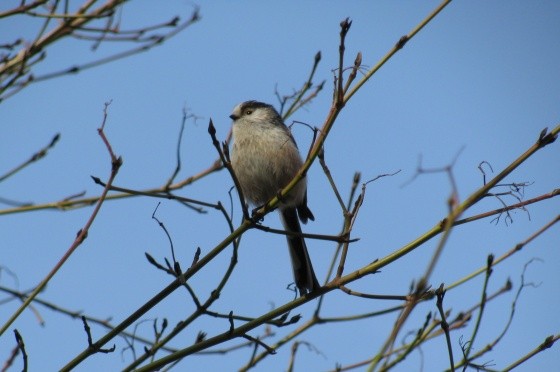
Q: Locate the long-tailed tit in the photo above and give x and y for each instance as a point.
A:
(265, 159)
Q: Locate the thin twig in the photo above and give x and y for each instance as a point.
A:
(489, 264)
(440, 293)
(546, 344)
(82, 233)
(21, 347)
(35, 157)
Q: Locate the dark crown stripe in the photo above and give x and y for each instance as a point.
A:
(254, 105)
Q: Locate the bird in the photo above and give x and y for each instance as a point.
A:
(265, 158)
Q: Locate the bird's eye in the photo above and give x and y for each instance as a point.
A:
(248, 112)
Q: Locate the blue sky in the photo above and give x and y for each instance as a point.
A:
(480, 80)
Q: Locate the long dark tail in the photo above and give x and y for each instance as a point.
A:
(304, 275)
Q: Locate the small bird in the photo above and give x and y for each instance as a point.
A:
(265, 158)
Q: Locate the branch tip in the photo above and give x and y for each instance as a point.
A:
(546, 138)
(317, 57)
(548, 342)
(211, 128)
(345, 26)
(358, 60)
(402, 41)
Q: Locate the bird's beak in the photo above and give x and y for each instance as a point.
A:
(233, 117)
